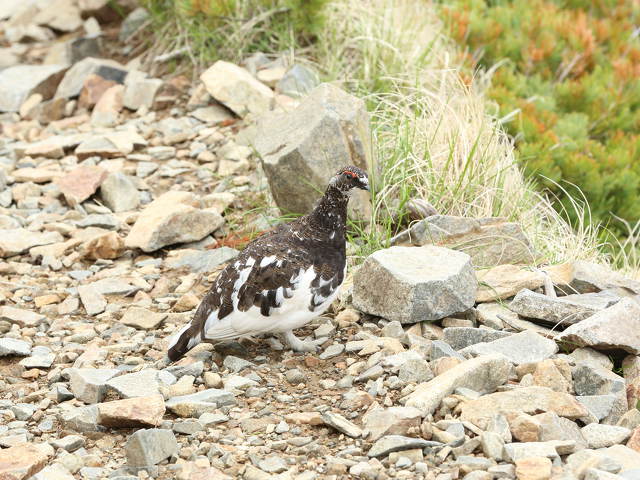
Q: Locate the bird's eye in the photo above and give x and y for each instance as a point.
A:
(349, 174)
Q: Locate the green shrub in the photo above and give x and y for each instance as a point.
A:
(570, 70)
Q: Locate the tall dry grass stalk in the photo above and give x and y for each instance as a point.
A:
(432, 134)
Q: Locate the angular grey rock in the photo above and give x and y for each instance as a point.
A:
(196, 404)
(93, 301)
(71, 84)
(132, 22)
(139, 384)
(489, 241)
(17, 240)
(41, 357)
(70, 443)
(462, 337)
(554, 427)
(600, 406)
(615, 328)
(199, 261)
(236, 364)
(332, 351)
(341, 424)
(81, 419)
(273, 464)
(523, 347)
(395, 443)
(492, 445)
(302, 149)
(528, 400)
(149, 447)
(441, 349)
(298, 81)
(21, 81)
(603, 436)
(586, 277)
(591, 357)
(550, 310)
(391, 421)
(90, 384)
(119, 193)
(483, 374)
(12, 346)
(588, 380)
(517, 451)
(172, 218)
(415, 371)
(237, 89)
(415, 284)
(141, 92)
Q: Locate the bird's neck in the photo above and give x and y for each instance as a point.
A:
(330, 215)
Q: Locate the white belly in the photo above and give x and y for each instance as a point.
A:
(293, 313)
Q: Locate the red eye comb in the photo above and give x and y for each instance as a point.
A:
(350, 173)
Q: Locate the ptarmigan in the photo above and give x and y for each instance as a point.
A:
(281, 280)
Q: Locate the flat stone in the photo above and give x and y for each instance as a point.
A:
(119, 193)
(553, 427)
(41, 357)
(199, 261)
(144, 383)
(236, 364)
(82, 419)
(505, 281)
(237, 89)
(550, 310)
(132, 22)
(414, 284)
(390, 421)
(70, 443)
(17, 240)
(149, 447)
(591, 357)
(603, 436)
(523, 347)
(461, 337)
(484, 373)
(521, 400)
(196, 404)
(93, 301)
(212, 114)
(141, 92)
(11, 346)
(23, 318)
(21, 461)
(132, 412)
(108, 245)
(142, 318)
(19, 82)
(518, 451)
(90, 384)
(488, 241)
(615, 328)
(395, 443)
(341, 424)
(82, 182)
(98, 147)
(55, 471)
(273, 464)
(585, 277)
(332, 351)
(171, 219)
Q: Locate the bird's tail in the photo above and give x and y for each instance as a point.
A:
(183, 341)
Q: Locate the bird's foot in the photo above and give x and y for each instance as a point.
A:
(298, 345)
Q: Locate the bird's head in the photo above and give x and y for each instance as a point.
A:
(348, 178)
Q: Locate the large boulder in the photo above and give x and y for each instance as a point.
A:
(615, 328)
(489, 241)
(20, 82)
(172, 218)
(237, 89)
(415, 284)
(302, 149)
